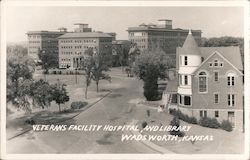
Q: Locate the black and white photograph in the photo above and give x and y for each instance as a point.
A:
(128, 80)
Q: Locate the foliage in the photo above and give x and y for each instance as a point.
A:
(78, 105)
(226, 125)
(48, 60)
(209, 122)
(149, 66)
(15, 50)
(60, 94)
(182, 116)
(121, 54)
(19, 79)
(176, 122)
(42, 93)
(94, 65)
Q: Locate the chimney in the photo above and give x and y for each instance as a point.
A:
(62, 29)
(164, 23)
(82, 27)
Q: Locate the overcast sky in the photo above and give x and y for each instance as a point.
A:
(213, 21)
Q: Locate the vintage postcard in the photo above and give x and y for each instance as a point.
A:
(124, 80)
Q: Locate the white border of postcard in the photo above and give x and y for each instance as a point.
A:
(6, 3)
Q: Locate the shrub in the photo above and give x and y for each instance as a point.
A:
(78, 105)
(144, 124)
(59, 72)
(226, 125)
(209, 122)
(30, 121)
(182, 116)
(176, 122)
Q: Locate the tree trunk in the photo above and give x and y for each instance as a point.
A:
(59, 107)
(86, 92)
(97, 86)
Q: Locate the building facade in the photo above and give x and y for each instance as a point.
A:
(162, 35)
(45, 41)
(72, 46)
(210, 83)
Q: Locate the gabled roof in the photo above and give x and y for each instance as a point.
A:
(232, 54)
(218, 53)
(84, 35)
(190, 46)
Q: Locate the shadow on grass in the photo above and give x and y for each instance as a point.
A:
(105, 139)
(114, 95)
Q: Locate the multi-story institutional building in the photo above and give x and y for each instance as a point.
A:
(209, 83)
(45, 41)
(161, 36)
(73, 45)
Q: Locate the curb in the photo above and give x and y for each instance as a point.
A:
(85, 108)
(150, 144)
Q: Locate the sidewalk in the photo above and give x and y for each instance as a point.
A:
(17, 126)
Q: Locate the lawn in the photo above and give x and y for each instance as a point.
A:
(223, 142)
(16, 119)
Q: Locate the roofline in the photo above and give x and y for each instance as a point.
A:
(216, 52)
(162, 30)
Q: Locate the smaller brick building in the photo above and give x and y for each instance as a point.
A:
(209, 83)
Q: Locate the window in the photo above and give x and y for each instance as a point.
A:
(231, 118)
(180, 99)
(180, 76)
(203, 113)
(216, 114)
(216, 63)
(231, 100)
(216, 75)
(216, 98)
(230, 79)
(186, 80)
(187, 100)
(185, 60)
(202, 82)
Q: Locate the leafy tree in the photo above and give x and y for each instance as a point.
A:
(20, 71)
(60, 94)
(48, 60)
(101, 65)
(42, 93)
(149, 66)
(94, 65)
(121, 51)
(86, 65)
(16, 50)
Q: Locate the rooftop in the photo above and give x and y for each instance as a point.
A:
(45, 32)
(148, 28)
(85, 35)
(190, 46)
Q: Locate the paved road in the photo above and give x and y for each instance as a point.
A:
(111, 110)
